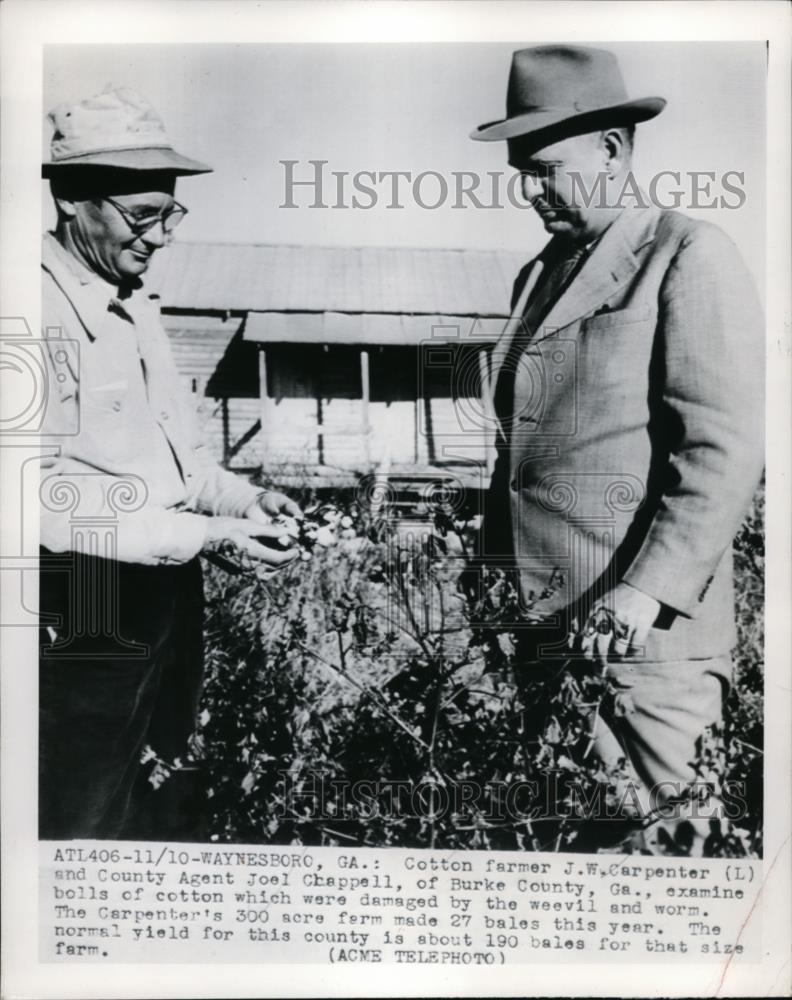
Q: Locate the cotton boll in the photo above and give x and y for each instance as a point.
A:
(325, 537)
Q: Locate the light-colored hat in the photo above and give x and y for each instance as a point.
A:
(565, 90)
(117, 128)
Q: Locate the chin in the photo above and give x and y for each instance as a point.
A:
(132, 266)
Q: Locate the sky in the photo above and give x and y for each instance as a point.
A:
(410, 107)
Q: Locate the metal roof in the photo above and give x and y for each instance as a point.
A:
(244, 277)
(376, 329)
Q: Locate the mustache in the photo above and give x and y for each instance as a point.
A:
(542, 206)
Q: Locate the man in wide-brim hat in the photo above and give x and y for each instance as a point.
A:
(628, 389)
(129, 499)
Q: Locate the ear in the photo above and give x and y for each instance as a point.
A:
(615, 150)
(66, 208)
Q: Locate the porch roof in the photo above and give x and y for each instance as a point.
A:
(370, 329)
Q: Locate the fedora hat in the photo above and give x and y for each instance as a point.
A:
(557, 91)
(117, 128)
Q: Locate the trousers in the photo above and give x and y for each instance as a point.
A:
(655, 714)
(120, 667)
(663, 710)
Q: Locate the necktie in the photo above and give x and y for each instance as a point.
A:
(557, 279)
(545, 295)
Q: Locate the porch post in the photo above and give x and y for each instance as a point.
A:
(365, 401)
(265, 405)
(486, 409)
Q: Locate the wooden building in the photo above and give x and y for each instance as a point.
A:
(324, 363)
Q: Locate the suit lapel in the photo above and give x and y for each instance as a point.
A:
(513, 324)
(610, 265)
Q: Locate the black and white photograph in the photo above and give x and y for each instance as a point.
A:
(446, 558)
(399, 500)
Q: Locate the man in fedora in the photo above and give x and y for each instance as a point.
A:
(628, 389)
(129, 498)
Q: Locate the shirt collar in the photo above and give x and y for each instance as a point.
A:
(89, 294)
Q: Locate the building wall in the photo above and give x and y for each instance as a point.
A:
(424, 406)
(206, 350)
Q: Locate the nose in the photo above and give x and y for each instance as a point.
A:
(531, 187)
(155, 237)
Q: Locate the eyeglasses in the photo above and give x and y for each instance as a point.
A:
(140, 224)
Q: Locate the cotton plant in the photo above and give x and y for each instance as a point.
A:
(322, 526)
(384, 653)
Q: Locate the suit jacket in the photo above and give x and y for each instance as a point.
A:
(636, 440)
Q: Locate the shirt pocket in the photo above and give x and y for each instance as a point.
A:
(109, 397)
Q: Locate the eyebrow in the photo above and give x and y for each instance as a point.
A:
(142, 211)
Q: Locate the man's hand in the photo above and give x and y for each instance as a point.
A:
(242, 534)
(272, 504)
(619, 622)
